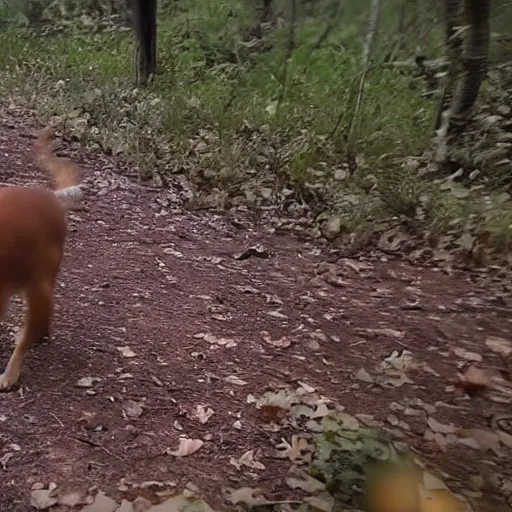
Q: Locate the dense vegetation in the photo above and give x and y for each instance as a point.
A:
(294, 104)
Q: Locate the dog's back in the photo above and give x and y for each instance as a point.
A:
(32, 235)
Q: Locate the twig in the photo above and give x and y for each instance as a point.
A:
(96, 445)
(58, 421)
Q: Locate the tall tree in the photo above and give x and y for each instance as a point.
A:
(144, 15)
(467, 43)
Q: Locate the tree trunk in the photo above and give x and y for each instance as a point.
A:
(144, 14)
(467, 33)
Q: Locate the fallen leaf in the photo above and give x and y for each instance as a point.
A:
(386, 331)
(440, 428)
(5, 458)
(294, 450)
(499, 345)
(309, 412)
(397, 382)
(257, 251)
(313, 345)
(186, 447)
(440, 439)
(400, 361)
(247, 459)
(323, 502)
(126, 352)
(203, 414)
(214, 340)
(467, 355)
(505, 438)
(487, 439)
(87, 382)
(101, 503)
(141, 504)
(306, 483)
(364, 376)
(191, 491)
(233, 379)
(132, 409)
(248, 496)
(304, 388)
(42, 499)
(127, 506)
(72, 499)
(181, 503)
(276, 314)
(282, 342)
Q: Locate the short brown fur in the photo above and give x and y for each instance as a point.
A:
(32, 236)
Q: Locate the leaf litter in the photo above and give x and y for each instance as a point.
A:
(186, 447)
(341, 444)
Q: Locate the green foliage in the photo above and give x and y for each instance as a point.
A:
(223, 110)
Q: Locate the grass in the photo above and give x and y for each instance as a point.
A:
(214, 113)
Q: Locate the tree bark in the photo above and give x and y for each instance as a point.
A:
(467, 39)
(144, 14)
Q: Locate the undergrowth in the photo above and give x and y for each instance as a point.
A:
(242, 129)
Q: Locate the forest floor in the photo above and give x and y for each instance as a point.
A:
(162, 330)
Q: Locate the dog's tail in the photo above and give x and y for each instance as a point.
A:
(64, 173)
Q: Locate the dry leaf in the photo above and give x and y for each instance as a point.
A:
(126, 352)
(132, 409)
(391, 333)
(72, 499)
(499, 345)
(250, 497)
(294, 450)
(439, 439)
(440, 428)
(42, 499)
(214, 340)
(4, 459)
(323, 501)
(276, 314)
(203, 414)
(186, 447)
(247, 459)
(282, 342)
(364, 376)
(181, 503)
(505, 438)
(87, 382)
(233, 379)
(101, 503)
(467, 355)
(487, 439)
(307, 483)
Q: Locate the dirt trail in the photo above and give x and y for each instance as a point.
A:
(141, 272)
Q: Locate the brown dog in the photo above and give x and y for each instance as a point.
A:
(32, 236)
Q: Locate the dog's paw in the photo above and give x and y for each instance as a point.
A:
(7, 383)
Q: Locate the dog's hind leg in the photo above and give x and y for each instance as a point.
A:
(39, 296)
